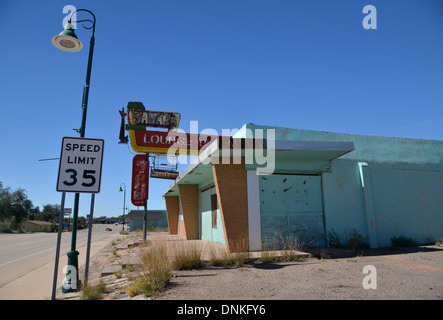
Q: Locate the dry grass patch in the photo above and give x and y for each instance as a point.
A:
(154, 271)
(187, 257)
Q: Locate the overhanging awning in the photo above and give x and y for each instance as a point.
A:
(289, 156)
(312, 150)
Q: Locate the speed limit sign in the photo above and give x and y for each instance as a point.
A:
(80, 165)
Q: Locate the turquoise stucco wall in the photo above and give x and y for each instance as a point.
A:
(206, 230)
(367, 148)
(343, 199)
(406, 202)
(403, 193)
(137, 224)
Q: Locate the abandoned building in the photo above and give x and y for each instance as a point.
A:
(320, 183)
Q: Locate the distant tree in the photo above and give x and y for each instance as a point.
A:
(29, 206)
(5, 194)
(99, 219)
(19, 204)
(14, 205)
(49, 213)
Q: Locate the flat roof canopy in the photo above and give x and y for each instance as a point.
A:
(316, 153)
(312, 150)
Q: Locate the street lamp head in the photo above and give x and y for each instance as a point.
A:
(120, 189)
(67, 40)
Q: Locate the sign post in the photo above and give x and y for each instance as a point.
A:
(79, 172)
(57, 250)
(88, 250)
(145, 215)
(140, 184)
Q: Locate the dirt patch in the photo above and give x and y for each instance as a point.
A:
(414, 273)
(407, 276)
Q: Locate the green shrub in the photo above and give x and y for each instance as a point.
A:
(151, 284)
(154, 269)
(357, 241)
(93, 292)
(334, 240)
(403, 241)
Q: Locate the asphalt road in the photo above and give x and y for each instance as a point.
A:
(21, 254)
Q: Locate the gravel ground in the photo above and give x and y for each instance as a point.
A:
(404, 274)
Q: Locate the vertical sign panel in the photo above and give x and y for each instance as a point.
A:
(140, 180)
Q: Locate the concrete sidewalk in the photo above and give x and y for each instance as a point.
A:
(114, 258)
(115, 265)
(37, 284)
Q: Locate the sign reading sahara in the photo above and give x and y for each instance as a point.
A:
(140, 180)
(80, 165)
(156, 119)
(139, 118)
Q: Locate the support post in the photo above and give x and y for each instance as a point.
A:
(145, 221)
(57, 250)
(145, 216)
(88, 250)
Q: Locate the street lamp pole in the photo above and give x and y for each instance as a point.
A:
(67, 41)
(124, 203)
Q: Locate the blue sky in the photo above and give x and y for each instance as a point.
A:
(223, 63)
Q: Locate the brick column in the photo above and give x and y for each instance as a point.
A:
(172, 207)
(232, 196)
(189, 205)
(182, 228)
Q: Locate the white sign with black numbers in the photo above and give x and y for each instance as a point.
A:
(80, 165)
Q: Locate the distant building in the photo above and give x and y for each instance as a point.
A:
(322, 184)
(155, 219)
(37, 226)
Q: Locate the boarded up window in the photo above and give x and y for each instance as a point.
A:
(214, 207)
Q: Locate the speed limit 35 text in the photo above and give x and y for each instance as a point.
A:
(83, 148)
